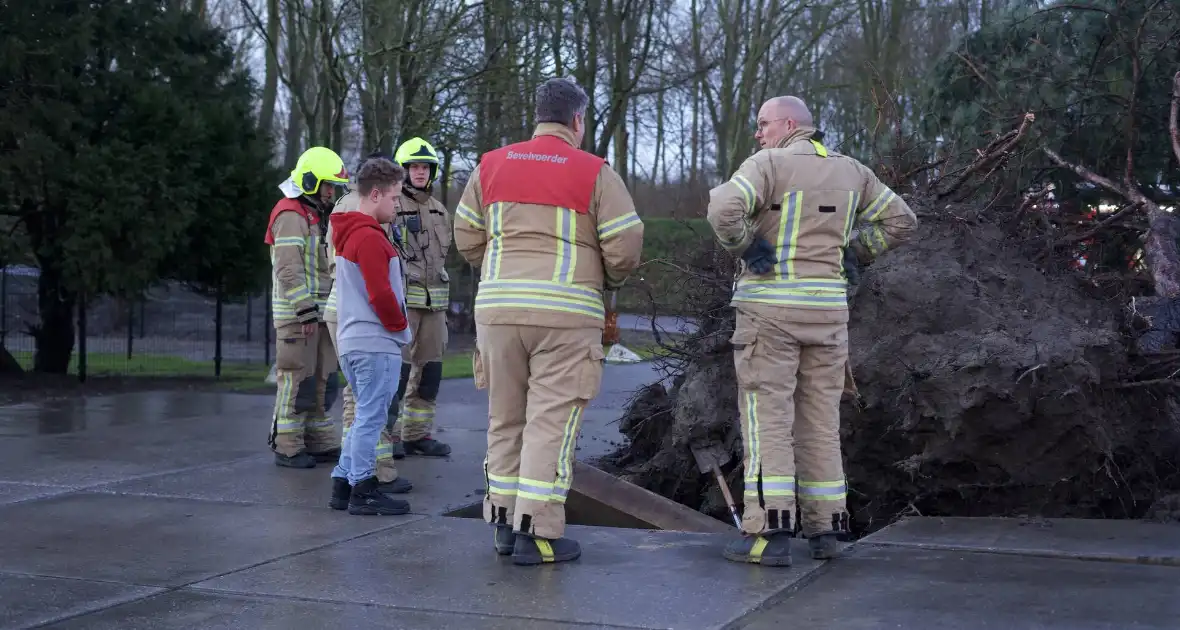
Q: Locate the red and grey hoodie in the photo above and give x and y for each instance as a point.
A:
(370, 295)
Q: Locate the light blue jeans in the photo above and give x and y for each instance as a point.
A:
(373, 377)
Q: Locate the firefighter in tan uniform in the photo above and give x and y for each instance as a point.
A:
(424, 227)
(301, 284)
(388, 479)
(550, 226)
(789, 212)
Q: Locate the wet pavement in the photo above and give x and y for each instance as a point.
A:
(164, 510)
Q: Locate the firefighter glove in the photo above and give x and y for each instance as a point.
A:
(759, 256)
(443, 275)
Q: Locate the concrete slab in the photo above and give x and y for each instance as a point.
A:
(624, 577)
(1091, 539)
(13, 492)
(890, 587)
(162, 542)
(188, 610)
(28, 601)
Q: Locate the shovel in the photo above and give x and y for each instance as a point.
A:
(710, 458)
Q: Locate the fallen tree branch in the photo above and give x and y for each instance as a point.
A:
(995, 151)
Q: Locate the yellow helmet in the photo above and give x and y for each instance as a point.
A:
(317, 165)
(417, 150)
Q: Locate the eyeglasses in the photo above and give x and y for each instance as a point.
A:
(762, 124)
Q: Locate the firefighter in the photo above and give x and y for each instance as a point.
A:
(389, 481)
(550, 226)
(424, 228)
(295, 233)
(789, 213)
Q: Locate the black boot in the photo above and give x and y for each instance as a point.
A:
(427, 446)
(298, 460)
(367, 500)
(824, 546)
(399, 450)
(505, 539)
(341, 492)
(401, 485)
(329, 456)
(770, 549)
(528, 550)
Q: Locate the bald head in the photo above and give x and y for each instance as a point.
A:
(779, 117)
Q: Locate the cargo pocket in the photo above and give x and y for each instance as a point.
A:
(745, 346)
(590, 380)
(290, 348)
(481, 378)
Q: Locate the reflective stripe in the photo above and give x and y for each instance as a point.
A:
(758, 547)
(754, 462)
(747, 190)
(491, 267)
(535, 489)
(311, 268)
(617, 224)
(879, 204)
(850, 220)
(780, 486)
(565, 456)
(805, 292)
(416, 414)
(319, 423)
(788, 235)
(283, 302)
(415, 296)
(330, 305)
(384, 449)
(283, 422)
(823, 490)
(539, 294)
(502, 485)
(567, 246)
(290, 241)
(820, 149)
(470, 216)
(439, 295)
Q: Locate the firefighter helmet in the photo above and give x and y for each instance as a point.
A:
(417, 150)
(318, 165)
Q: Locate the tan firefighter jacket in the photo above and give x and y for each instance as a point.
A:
(428, 285)
(347, 203)
(544, 264)
(805, 201)
(299, 264)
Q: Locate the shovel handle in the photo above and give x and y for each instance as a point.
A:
(728, 497)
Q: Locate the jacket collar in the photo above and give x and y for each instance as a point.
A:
(800, 133)
(555, 129)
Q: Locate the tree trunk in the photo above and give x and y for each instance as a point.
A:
(54, 337)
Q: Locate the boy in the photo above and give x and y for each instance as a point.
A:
(371, 331)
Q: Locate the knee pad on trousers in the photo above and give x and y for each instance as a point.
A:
(305, 399)
(402, 382)
(431, 380)
(331, 390)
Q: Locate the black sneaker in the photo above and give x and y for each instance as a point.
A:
(773, 550)
(341, 492)
(528, 550)
(427, 446)
(401, 485)
(298, 460)
(367, 500)
(505, 539)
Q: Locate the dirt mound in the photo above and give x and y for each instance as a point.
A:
(986, 387)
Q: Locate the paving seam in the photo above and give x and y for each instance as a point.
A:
(465, 613)
(166, 590)
(1039, 553)
(786, 593)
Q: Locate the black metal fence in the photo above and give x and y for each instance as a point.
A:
(172, 331)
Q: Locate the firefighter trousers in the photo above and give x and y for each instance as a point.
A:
(539, 381)
(421, 374)
(298, 356)
(790, 379)
(386, 471)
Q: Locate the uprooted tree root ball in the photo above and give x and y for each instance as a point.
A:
(987, 387)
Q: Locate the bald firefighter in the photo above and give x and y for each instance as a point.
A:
(301, 284)
(424, 227)
(388, 479)
(550, 226)
(789, 212)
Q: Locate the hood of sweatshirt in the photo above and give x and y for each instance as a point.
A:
(350, 225)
